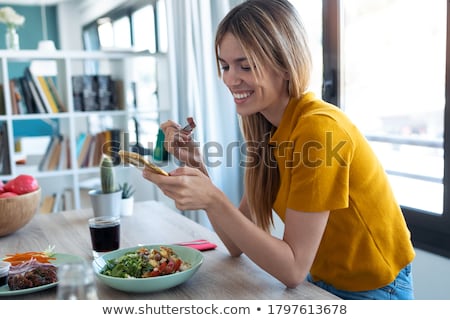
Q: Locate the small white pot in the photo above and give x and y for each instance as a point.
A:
(126, 207)
(105, 204)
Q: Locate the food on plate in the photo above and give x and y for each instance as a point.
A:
(145, 263)
(19, 258)
(21, 184)
(31, 274)
(139, 161)
(31, 269)
(190, 125)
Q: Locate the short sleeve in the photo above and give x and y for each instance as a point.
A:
(320, 174)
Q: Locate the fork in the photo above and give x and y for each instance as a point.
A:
(190, 126)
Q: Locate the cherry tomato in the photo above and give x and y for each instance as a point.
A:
(21, 184)
(172, 266)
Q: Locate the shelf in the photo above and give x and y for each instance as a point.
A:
(27, 55)
(71, 124)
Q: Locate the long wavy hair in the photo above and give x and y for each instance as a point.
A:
(271, 35)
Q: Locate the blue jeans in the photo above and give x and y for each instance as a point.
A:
(399, 289)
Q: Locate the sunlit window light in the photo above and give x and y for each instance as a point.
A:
(106, 34)
(162, 26)
(122, 33)
(144, 29)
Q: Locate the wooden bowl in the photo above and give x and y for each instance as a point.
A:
(16, 212)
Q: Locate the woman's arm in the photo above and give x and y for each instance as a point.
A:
(233, 249)
(288, 259)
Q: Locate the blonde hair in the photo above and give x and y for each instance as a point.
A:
(271, 35)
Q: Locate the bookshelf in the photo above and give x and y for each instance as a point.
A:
(56, 160)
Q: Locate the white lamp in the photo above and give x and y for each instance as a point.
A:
(44, 67)
(46, 45)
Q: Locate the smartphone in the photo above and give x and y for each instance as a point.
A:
(140, 162)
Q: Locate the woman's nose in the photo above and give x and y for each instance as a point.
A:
(231, 78)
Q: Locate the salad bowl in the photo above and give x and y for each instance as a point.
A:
(188, 255)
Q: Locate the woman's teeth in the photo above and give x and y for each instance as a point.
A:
(241, 95)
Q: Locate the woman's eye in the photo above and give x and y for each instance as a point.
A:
(246, 68)
(225, 68)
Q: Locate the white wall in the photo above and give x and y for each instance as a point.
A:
(69, 23)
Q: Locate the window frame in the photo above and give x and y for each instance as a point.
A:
(125, 11)
(429, 232)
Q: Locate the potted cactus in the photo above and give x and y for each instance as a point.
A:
(107, 200)
(127, 203)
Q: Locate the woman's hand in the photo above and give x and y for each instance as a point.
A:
(188, 187)
(180, 143)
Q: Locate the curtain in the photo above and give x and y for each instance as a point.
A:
(200, 93)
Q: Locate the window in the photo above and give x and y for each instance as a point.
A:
(144, 29)
(105, 33)
(122, 33)
(311, 15)
(139, 27)
(388, 73)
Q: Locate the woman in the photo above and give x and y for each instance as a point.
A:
(344, 230)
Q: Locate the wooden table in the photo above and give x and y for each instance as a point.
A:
(220, 277)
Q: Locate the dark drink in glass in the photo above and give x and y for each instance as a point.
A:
(105, 234)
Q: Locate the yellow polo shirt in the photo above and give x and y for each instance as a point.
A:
(325, 163)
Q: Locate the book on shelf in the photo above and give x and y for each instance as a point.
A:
(87, 156)
(40, 108)
(13, 97)
(43, 164)
(105, 89)
(47, 95)
(56, 96)
(97, 156)
(28, 96)
(97, 93)
(43, 90)
(18, 97)
(57, 201)
(77, 93)
(64, 159)
(118, 95)
(91, 147)
(5, 159)
(47, 204)
(57, 154)
(115, 144)
(84, 151)
(2, 101)
(44, 93)
(89, 160)
(90, 97)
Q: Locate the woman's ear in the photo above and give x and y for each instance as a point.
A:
(286, 76)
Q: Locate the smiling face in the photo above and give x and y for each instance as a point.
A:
(267, 94)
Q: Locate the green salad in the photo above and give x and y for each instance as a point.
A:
(145, 263)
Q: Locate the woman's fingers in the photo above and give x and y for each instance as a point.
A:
(185, 185)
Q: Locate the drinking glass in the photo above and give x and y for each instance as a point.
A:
(105, 234)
